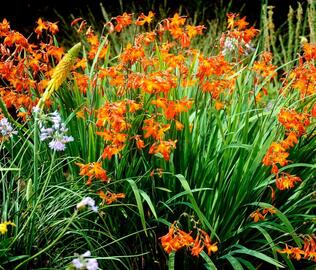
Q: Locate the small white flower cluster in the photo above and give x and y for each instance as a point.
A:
(52, 128)
(82, 262)
(87, 202)
(6, 130)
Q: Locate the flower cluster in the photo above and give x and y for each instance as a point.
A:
(6, 129)
(93, 171)
(176, 239)
(110, 197)
(261, 214)
(52, 128)
(83, 262)
(23, 65)
(307, 252)
(295, 124)
(87, 202)
(237, 40)
(287, 181)
(294, 121)
(303, 77)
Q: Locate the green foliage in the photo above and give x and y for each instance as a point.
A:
(214, 179)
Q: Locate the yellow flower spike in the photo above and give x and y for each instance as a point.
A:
(60, 73)
(4, 226)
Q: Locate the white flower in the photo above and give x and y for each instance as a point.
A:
(6, 130)
(76, 263)
(92, 264)
(87, 202)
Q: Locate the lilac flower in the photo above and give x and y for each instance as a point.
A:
(92, 264)
(77, 264)
(87, 202)
(56, 132)
(6, 130)
(56, 145)
(85, 263)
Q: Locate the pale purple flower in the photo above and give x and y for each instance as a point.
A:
(77, 264)
(57, 145)
(87, 202)
(92, 264)
(6, 130)
(52, 128)
(82, 262)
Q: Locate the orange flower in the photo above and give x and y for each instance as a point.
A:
(122, 21)
(110, 197)
(81, 81)
(155, 129)
(290, 140)
(179, 125)
(241, 23)
(175, 239)
(131, 54)
(276, 154)
(294, 121)
(167, 240)
(93, 171)
(142, 19)
(310, 247)
(41, 25)
(256, 215)
(219, 105)
(297, 253)
(177, 20)
(139, 142)
(164, 148)
(53, 28)
(197, 247)
(270, 210)
(111, 150)
(208, 243)
(286, 250)
(193, 31)
(4, 27)
(287, 181)
(309, 51)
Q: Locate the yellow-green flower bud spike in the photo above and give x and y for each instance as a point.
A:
(60, 73)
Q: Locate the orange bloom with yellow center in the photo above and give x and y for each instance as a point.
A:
(93, 171)
(110, 197)
(287, 181)
(142, 19)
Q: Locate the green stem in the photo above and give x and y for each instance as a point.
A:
(35, 153)
(30, 219)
